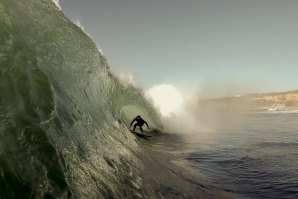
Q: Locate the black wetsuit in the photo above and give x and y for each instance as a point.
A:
(139, 122)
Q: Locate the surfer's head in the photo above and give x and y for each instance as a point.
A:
(138, 116)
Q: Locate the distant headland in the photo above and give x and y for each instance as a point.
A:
(275, 101)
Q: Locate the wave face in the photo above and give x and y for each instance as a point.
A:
(63, 115)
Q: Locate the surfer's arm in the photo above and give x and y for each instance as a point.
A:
(146, 124)
(132, 122)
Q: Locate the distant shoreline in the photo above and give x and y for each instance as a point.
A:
(274, 101)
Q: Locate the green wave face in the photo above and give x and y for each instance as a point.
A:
(63, 116)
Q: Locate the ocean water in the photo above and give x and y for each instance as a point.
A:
(256, 158)
(63, 115)
(64, 127)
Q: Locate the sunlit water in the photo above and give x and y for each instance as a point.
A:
(64, 126)
(254, 158)
(257, 159)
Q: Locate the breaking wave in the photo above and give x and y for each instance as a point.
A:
(63, 115)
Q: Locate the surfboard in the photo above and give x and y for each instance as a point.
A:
(141, 135)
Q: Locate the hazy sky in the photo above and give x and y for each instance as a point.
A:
(215, 46)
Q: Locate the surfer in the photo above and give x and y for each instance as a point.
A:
(140, 123)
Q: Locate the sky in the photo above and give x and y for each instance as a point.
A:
(212, 47)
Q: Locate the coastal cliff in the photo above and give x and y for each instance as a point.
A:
(261, 101)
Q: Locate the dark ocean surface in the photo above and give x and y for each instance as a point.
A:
(257, 158)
